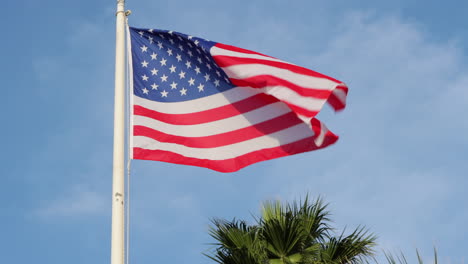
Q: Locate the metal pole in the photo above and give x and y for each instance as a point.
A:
(118, 182)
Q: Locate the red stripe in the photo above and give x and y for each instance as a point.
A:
(219, 140)
(222, 112)
(316, 126)
(235, 164)
(226, 61)
(301, 111)
(261, 81)
(335, 102)
(237, 49)
(342, 87)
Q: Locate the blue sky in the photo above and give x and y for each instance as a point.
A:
(399, 167)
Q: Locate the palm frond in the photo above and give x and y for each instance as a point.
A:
(236, 240)
(314, 218)
(293, 233)
(401, 259)
(281, 231)
(354, 248)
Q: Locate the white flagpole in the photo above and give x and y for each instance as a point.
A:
(118, 181)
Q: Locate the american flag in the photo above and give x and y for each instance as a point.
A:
(201, 103)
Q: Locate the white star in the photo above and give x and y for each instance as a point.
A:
(188, 64)
(171, 41)
(208, 65)
(154, 71)
(218, 73)
(170, 32)
(226, 79)
(181, 47)
(201, 87)
(197, 70)
(199, 51)
(154, 56)
(163, 62)
(150, 30)
(173, 85)
(178, 57)
(190, 37)
(145, 91)
(162, 36)
(141, 33)
(154, 86)
(144, 77)
(180, 38)
(216, 82)
(144, 64)
(207, 77)
(196, 42)
(183, 91)
(199, 60)
(164, 78)
(164, 93)
(190, 53)
(151, 40)
(169, 51)
(160, 45)
(191, 81)
(190, 45)
(182, 74)
(172, 68)
(144, 48)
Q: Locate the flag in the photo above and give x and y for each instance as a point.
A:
(201, 103)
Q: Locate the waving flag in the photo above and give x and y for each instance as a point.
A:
(202, 103)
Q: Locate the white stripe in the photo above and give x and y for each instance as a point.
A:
(243, 71)
(205, 103)
(306, 120)
(282, 137)
(289, 96)
(341, 95)
(216, 127)
(321, 137)
(217, 51)
(282, 93)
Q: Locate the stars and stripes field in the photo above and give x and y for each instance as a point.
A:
(202, 103)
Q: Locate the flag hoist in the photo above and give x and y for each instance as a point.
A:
(118, 181)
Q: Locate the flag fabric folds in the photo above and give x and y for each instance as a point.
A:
(202, 103)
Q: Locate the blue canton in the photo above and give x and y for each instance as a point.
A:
(173, 67)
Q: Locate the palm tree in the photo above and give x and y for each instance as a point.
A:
(297, 233)
(401, 259)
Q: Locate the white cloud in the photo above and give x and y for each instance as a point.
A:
(78, 202)
(398, 165)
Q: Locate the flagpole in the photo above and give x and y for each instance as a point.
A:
(118, 182)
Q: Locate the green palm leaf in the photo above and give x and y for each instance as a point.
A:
(295, 233)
